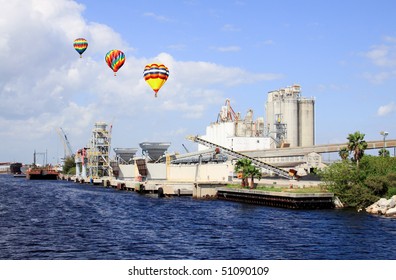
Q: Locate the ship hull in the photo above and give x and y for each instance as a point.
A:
(42, 174)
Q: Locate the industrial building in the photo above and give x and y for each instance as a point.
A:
(236, 133)
(289, 122)
(290, 118)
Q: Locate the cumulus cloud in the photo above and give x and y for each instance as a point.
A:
(45, 85)
(386, 109)
(383, 55)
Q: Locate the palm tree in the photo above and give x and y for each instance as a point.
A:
(343, 153)
(357, 145)
(253, 172)
(383, 153)
(242, 167)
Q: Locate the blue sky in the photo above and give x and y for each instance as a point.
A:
(343, 53)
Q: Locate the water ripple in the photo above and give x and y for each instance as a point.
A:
(63, 220)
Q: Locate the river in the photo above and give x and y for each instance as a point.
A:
(50, 220)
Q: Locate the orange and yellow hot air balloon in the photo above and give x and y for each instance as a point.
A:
(155, 75)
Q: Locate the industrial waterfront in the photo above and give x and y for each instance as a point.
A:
(281, 145)
(164, 205)
(48, 220)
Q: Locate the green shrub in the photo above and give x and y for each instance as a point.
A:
(72, 171)
(360, 186)
(377, 184)
(68, 164)
(391, 192)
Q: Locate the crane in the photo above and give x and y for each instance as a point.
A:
(68, 151)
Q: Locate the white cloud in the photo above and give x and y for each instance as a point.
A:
(45, 85)
(177, 47)
(230, 28)
(382, 55)
(378, 55)
(228, 49)
(380, 77)
(386, 109)
(156, 17)
(390, 39)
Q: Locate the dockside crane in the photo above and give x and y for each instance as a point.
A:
(280, 172)
(68, 151)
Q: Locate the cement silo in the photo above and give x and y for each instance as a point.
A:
(290, 118)
(306, 122)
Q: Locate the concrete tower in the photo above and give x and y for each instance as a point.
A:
(290, 117)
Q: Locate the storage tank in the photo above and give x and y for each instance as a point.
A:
(290, 118)
(306, 121)
(272, 108)
(286, 109)
(282, 108)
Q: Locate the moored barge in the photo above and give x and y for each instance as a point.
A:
(42, 173)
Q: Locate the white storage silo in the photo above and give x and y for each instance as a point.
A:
(306, 121)
(290, 117)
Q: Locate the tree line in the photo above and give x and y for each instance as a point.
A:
(359, 180)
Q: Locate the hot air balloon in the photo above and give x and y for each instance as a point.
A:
(80, 45)
(155, 75)
(115, 59)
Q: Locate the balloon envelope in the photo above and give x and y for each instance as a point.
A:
(115, 59)
(155, 75)
(80, 45)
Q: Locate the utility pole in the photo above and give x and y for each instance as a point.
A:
(384, 134)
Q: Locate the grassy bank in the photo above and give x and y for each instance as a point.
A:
(315, 189)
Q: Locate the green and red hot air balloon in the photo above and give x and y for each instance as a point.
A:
(155, 75)
(115, 59)
(80, 45)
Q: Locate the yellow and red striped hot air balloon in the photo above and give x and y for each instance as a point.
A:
(155, 75)
(80, 45)
(115, 59)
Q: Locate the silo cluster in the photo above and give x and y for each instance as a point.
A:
(290, 117)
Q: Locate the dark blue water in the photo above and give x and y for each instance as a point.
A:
(64, 220)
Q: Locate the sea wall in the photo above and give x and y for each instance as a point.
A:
(386, 207)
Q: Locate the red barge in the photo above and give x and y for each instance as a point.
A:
(42, 173)
(47, 172)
